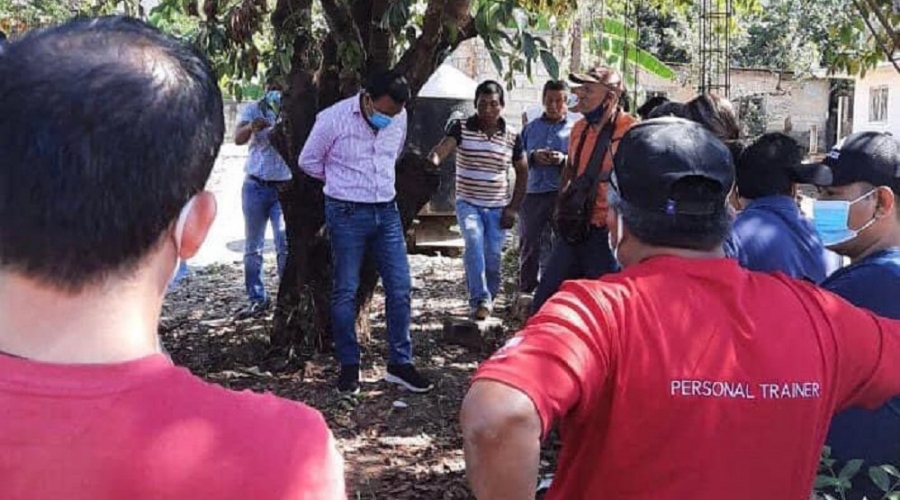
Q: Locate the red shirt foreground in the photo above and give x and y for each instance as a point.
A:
(146, 429)
(684, 379)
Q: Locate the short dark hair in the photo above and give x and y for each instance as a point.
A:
(693, 232)
(109, 127)
(2, 36)
(555, 85)
(764, 167)
(489, 87)
(650, 104)
(669, 108)
(388, 83)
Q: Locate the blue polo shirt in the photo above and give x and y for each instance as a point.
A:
(771, 234)
(872, 283)
(545, 134)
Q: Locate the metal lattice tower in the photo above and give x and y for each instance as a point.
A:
(714, 65)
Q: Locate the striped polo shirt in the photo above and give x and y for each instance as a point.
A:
(482, 162)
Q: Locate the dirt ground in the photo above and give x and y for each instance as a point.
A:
(391, 451)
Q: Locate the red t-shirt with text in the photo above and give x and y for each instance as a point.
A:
(684, 379)
(148, 430)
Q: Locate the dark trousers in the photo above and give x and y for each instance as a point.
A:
(534, 225)
(588, 260)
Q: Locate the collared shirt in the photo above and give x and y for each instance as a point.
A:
(264, 161)
(771, 234)
(355, 162)
(874, 436)
(545, 134)
(482, 162)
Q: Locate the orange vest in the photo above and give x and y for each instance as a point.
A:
(624, 121)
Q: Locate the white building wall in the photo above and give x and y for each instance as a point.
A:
(884, 75)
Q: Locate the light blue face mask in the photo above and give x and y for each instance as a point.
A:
(273, 97)
(832, 220)
(380, 120)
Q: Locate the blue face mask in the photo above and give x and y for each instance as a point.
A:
(831, 219)
(273, 97)
(380, 120)
(594, 116)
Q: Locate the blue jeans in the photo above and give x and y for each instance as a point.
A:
(589, 259)
(480, 227)
(180, 274)
(356, 228)
(260, 204)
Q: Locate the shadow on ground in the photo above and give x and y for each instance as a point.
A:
(413, 452)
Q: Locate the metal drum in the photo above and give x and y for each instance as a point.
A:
(448, 94)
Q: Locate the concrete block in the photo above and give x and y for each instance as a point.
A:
(469, 333)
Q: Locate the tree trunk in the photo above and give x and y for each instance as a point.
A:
(302, 322)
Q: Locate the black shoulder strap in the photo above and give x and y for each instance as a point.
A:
(594, 166)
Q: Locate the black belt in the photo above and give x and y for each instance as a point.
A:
(376, 204)
(265, 182)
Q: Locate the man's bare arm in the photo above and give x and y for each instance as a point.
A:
(242, 133)
(501, 440)
(442, 150)
(521, 168)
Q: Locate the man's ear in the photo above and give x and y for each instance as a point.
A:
(886, 201)
(197, 224)
(734, 199)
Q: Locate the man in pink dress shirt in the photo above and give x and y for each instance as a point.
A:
(352, 148)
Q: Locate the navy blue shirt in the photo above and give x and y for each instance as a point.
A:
(771, 234)
(872, 283)
(545, 134)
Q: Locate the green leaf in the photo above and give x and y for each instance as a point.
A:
(890, 469)
(528, 46)
(850, 469)
(826, 482)
(880, 477)
(617, 28)
(543, 23)
(550, 63)
(495, 58)
(643, 59)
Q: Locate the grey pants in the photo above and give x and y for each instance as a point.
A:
(535, 237)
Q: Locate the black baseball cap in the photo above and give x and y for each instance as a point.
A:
(872, 157)
(773, 164)
(655, 154)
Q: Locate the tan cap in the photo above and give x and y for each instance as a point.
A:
(599, 74)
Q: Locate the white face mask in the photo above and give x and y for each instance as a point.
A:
(615, 240)
(179, 233)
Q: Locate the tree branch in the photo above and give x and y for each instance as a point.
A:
(380, 41)
(421, 59)
(865, 16)
(885, 23)
(289, 15)
(345, 32)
